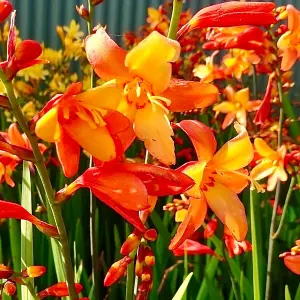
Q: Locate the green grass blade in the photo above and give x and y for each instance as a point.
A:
(26, 229)
(287, 295)
(181, 291)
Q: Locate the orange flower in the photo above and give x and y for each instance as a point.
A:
(237, 106)
(145, 89)
(59, 289)
(192, 248)
(289, 42)
(218, 177)
(292, 259)
(232, 13)
(7, 166)
(237, 62)
(85, 119)
(271, 164)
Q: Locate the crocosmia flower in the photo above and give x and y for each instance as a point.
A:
(271, 164)
(237, 106)
(218, 177)
(289, 42)
(192, 248)
(144, 87)
(125, 187)
(292, 258)
(84, 119)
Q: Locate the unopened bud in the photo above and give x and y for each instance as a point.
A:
(58, 290)
(150, 235)
(139, 264)
(97, 2)
(131, 243)
(9, 288)
(146, 274)
(65, 193)
(143, 290)
(149, 257)
(83, 12)
(210, 228)
(34, 271)
(117, 270)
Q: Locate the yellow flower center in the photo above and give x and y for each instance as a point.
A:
(139, 93)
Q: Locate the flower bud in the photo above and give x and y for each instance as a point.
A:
(5, 272)
(131, 243)
(117, 270)
(150, 235)
(34, 271)
(97, 2)
(139, 264)
(149, 256)
(210, 228)
(58, 290)
(9, 288)
(146, 274)
(83, 12)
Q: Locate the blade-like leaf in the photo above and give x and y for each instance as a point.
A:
(181, 291)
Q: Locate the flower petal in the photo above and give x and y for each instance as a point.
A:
(151, 59)
(159, 181)
(58, 290)
(187, 95)
(293, 17)
(68, 152)
(236, 153)
(228, 208)
(14, 136)
(153, 127)
(264, 169)
(263, 148)
(98, 142)
(192, 221)
(10, 210)
(292, 262)
(47, 127)
(224, 107)
(202, 138)
(105, 56)
(192, 248)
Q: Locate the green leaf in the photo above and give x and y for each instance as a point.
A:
(26, 229)
(181, 291)
(287, 295)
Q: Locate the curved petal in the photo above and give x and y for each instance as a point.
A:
(228, 120)
(293, 17)
(263, 148)
(14, 136)
(264, 169)
(241, 117)
(224, 107)
(68, 152)
(98, 142)
(106, 97)
(288, 59)
(236, 153)
(159, 181)
(105, 56)
(202, 138)
(187, 95)
(242, 96)
(292, 262)
(192, 248)
(228, 208)
(151, 59)
(153, 127)
(195, 171)
(47, 127)
(192, 221)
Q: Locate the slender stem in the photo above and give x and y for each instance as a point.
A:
(130, 281)
(277, 195)
(256, 244)
(186, 270)
(40, 165)
(95, 273)
(286, 204)
(177, 7)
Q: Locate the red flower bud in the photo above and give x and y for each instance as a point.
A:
(150, 235)
(5, 272)
(131, 243)
(210, 228)
(83, 12)
(34, 271)
(5, 10)
(139, 264)
(146, 274)
(117, 270)
(9, 288)
(149, 256)
(58, 290)
(96, 2)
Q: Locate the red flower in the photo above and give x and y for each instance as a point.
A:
(5, 10)
(22, 56)
(230, 14)
(292, 258)
(58, 290)
(9, 210)
(125, 187)
(192, 248)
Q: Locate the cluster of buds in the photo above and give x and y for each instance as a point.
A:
(136, 243)
(11, 278)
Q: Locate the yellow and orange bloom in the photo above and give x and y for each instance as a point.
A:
(289, 42)
(232, 13)
(292, 258)
(84, 119)
(236, 107)
(271, 164)
(145, 89)
(218, 177)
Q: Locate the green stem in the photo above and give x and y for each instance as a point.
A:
(255, 217)
(186, 270)
(177, 7)
(277, 195)
(95, 273)
(31, 289)
(40, 165)
(130, 281)
(286, 203)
